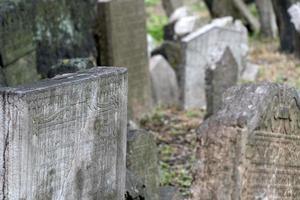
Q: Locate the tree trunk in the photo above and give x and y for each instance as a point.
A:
(235, 8)
(267, 18)
(286, 28)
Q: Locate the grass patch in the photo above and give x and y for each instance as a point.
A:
(155, 26)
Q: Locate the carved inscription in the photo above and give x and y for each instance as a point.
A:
(273, 153)
(68, 139)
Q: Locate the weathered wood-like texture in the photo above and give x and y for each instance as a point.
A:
(198, 48)
(250, 148)
(122, 41)
(65, 138)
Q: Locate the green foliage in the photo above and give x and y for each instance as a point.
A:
(155, 27)
(152, 2)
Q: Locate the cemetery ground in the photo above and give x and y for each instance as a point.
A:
(175, 130)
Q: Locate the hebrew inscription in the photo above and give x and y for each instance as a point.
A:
(70, 140)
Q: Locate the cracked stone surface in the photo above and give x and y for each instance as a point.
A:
(65, 138)
(251, 146)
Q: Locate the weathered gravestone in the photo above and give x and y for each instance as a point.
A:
(198, 48)
(65, 138)
(122, 41)
(164, 82)
(34, 35)
(63, 29)
(17, 46)
(142, 163)
(219, 76)
(250, 148)
(66, 66)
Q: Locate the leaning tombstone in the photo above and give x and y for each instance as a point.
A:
(164, 82)
(219, 76)
(65, 138)
(142, 162)
(17, 45)
(249, 148)
(121, 32)
(197, 48)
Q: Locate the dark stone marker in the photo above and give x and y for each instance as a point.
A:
(65, 138)
(249, 149)
(63, 30)
(70, 66)
(17, 46)
(142, 162)
(121, 33)
(219, 77)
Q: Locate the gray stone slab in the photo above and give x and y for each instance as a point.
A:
(65, 138)
(164, 82)
(250, 148)
(142, 162)
(198, 48)
(250, 73)
(63, 29)
(220, 76)
(122, 42)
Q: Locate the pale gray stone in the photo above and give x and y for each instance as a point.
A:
(178, 14)
(294, 12)
(123, 42)
(250, 73)
(164, 82)
(186, 25)
(142, 162)
(65, 138)
(250, 147)
(198, 49)
(219, 76)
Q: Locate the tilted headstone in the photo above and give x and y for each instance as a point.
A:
(17, 46)
(250, 148)
(135, 188)
(198, 48)
(142, 162)
(219, 76)
(65, 138)
(171, 51)
(171, 5)
(122, 42)
(165, 89)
